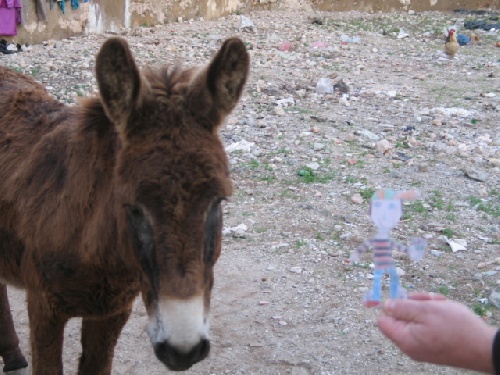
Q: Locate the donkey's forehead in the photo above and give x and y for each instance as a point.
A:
(200, 165)
(170, 80)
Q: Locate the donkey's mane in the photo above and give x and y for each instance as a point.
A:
(168, 81)
(93, 117)
(165, 82)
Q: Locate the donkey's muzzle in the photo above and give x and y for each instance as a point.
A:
(177, 360)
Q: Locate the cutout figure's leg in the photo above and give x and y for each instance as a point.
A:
(396, 291)
(374, 296)
(46, 336)
(99, 337)
(13, 359)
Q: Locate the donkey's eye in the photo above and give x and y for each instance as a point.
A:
(213, 228)
(143, 238)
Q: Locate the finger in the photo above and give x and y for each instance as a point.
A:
(407, 310)
(392, 328)
(422, 296)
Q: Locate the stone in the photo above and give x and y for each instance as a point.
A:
(368, 134)
(495, 297)
(357, 198)
(383, 146)
(318, 146)
(240, 231)
(476, 175)
(423, 167)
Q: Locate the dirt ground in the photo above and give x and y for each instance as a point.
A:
(304, 165)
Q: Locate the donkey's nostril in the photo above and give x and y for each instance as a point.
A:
(177, 360)
(204, 349)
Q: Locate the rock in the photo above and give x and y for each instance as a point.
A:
(314, 166)
(315, 129)
(368, 134)
(295, 270)
(437, 253)
(344, 100)
(279, 111)
(495, 162)
(437, 122)
(242, 145)
(324, 86)
(490, 273)
(318, 146)
(423, 167)
(475, 174)
(384, 146)
(240, 231)
(357, 198)
(250, 121)
(495, 297)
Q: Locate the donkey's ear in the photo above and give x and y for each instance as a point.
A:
(217, 90)
(118, 78)
(228, 73)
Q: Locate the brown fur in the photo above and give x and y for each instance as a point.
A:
(104, 200)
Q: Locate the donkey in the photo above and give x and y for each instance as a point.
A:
(118, 196)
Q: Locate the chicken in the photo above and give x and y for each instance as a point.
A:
(451, 46)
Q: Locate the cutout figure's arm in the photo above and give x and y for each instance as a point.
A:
(415, 251)
(400, 247)
(362, 248)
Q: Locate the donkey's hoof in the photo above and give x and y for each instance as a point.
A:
(14, 361)
(15, 365)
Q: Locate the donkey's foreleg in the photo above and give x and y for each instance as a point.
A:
(46, 335)
(13, 359)
(99, 337)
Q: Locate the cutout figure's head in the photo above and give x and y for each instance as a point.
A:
(386, 207)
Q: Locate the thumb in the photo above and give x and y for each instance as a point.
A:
(406, 310)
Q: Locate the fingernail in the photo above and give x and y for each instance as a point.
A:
(389, 306)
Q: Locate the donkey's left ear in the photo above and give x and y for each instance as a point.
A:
(228, 73)
(216, 91)
(119, 80)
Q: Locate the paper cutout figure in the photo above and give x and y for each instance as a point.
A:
(385, 211)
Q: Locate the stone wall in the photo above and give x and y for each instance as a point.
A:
(98, 16)
(153, 12)
(95, 16)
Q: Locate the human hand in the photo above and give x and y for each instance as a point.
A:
(429, 328)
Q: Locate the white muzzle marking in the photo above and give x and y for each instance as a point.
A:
(181, 323)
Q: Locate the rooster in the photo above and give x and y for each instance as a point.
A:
(451, 46)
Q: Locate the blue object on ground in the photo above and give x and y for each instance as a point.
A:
(463, 39)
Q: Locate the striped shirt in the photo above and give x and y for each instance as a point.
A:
(382, 251)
